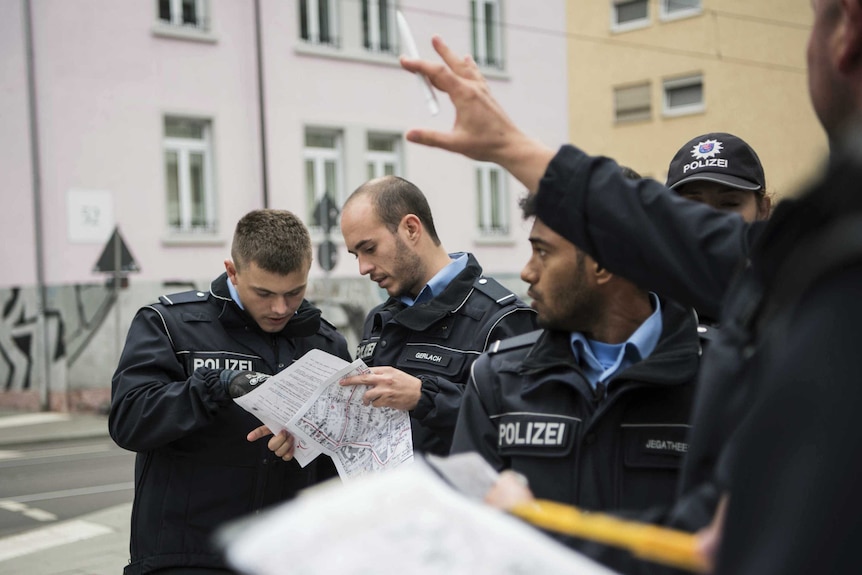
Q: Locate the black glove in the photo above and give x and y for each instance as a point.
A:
(238, 383)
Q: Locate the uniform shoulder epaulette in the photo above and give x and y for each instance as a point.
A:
(189, 296)
(328, 323)
(515, 342)
(494, 290)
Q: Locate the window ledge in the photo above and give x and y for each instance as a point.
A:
(494, 73)
(336, 53)
(367, 57)
(494, 240)
(191, 239)
(627, 121)
(684, 111)
(680, 14)
(183, 33)
(630, 26)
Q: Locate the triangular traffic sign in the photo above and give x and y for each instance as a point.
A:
(116, 256)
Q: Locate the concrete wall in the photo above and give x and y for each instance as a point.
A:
(87, 324)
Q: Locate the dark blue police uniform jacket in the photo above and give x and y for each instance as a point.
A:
(194, 468)
(528, 407)
(437, 341)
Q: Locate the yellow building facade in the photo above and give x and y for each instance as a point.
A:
(646, 76)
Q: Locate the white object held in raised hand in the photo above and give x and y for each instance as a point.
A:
(409, 46)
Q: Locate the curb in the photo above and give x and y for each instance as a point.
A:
(41, 427)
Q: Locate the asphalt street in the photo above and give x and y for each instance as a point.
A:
(92, 544)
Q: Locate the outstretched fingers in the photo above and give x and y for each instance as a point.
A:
(433, 138)
(258, 433)
(462, 66)
(444, 76)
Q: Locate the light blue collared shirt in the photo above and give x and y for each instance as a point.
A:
(440, 281)
(600, 361)
(234, 294)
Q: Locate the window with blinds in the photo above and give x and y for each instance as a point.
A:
(632, 103)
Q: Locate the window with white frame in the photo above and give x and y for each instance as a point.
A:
(383, 155)
(318, 22)
(492, 201)
(632, 103)
(683, 96)
(188, 172)
(486, 29)
(671, 9)
(627, 14)
(378, 25)
(323, 168)
(186, 13)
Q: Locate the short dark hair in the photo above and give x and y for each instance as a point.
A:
(276, 240)
(528, 202)
(393, 198)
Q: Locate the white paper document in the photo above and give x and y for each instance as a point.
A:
(306, 400)
(407, 521)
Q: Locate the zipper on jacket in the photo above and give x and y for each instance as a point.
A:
(599, 393)
(273, 341)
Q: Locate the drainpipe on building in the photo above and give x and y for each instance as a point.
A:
(35, 167)
(261, 103)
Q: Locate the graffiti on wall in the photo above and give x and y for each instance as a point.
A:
(73, 314)
(78, 316)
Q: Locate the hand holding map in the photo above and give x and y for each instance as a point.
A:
(305, 400)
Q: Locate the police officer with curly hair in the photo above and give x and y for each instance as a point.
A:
(594, 409)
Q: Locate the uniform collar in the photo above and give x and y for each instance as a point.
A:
(674, 360)
(420, 316)
(234, 295)
(637, 347)
(440, 281)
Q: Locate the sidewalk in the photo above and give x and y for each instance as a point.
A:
(18, 427)
(93, 544)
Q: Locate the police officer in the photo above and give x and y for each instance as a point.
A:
(442, 312)
(721, 170)
(594, 408)
(172, 398)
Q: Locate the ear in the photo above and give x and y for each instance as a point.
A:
(601, 275)
(412, 226)
(764, 207)
(231, 271)
(849, 38)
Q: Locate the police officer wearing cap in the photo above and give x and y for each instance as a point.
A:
(594, 409)
(723, 171)
(442, 311)
(185, 359)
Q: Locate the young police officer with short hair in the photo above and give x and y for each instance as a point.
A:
(185, 358)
